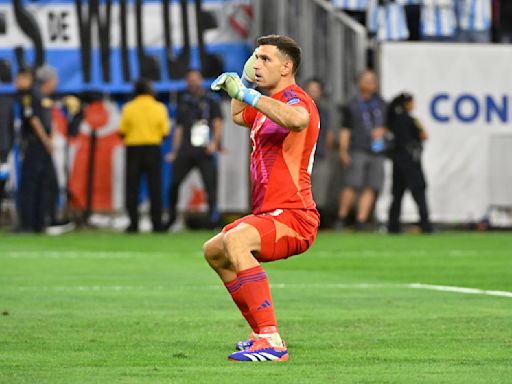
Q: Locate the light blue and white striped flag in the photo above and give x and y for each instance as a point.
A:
(408, 2)
(387, 21)
(351, 5)
(475, 15)
(438, 18)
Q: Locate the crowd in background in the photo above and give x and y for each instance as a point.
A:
(348, 175)
(33, 106)
(433, 20)
(28, 123)
(352, 157)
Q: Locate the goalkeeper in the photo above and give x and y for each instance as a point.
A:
(284, 127)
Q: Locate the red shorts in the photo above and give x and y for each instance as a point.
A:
(283, 232)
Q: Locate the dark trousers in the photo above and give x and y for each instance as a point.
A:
(207, 166)
(36, 173)
(144, 160)
(53, 196)
(408, 174)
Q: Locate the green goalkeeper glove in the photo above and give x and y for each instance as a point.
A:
(249, 74)
(231, 83)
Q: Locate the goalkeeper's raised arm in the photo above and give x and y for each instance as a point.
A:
(273, 70)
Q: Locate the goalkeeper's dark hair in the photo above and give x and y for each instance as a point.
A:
(285, 45)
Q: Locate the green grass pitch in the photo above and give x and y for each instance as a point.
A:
(111, 308)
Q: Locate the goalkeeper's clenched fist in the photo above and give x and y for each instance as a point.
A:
(249, 73)
(232, 84)
(239, 89)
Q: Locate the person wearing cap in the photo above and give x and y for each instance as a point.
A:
(37, 167)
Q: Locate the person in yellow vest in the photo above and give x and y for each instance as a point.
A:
(144, 124)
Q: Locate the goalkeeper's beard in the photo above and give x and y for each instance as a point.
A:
(260, 85)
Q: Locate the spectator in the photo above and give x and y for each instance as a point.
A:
(361, 145)
(438, 22)
(413, 16)
(406, 155)
(37, 167)
(354, 8)
(196, 142)
(474, 20)
(504, 21)
(62, 224)
(321, 174)
(144, 123)
(386, 20)
(7, 103)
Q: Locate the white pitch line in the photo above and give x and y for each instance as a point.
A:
(430, 287)
(447, 288)
(333, 286)
(442, 288)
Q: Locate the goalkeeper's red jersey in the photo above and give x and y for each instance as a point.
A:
(282, 160)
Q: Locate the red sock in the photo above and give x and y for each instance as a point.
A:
(234, 289)
(256, 292)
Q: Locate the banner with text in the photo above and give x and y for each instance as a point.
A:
(106, 44)
(463, 97)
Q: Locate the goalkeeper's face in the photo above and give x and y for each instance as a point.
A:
(271, 66)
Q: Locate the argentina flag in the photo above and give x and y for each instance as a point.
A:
(351, 5)
(474, 15)
(408, 2)
(387, 21)
(438, 18)
(96, 44)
